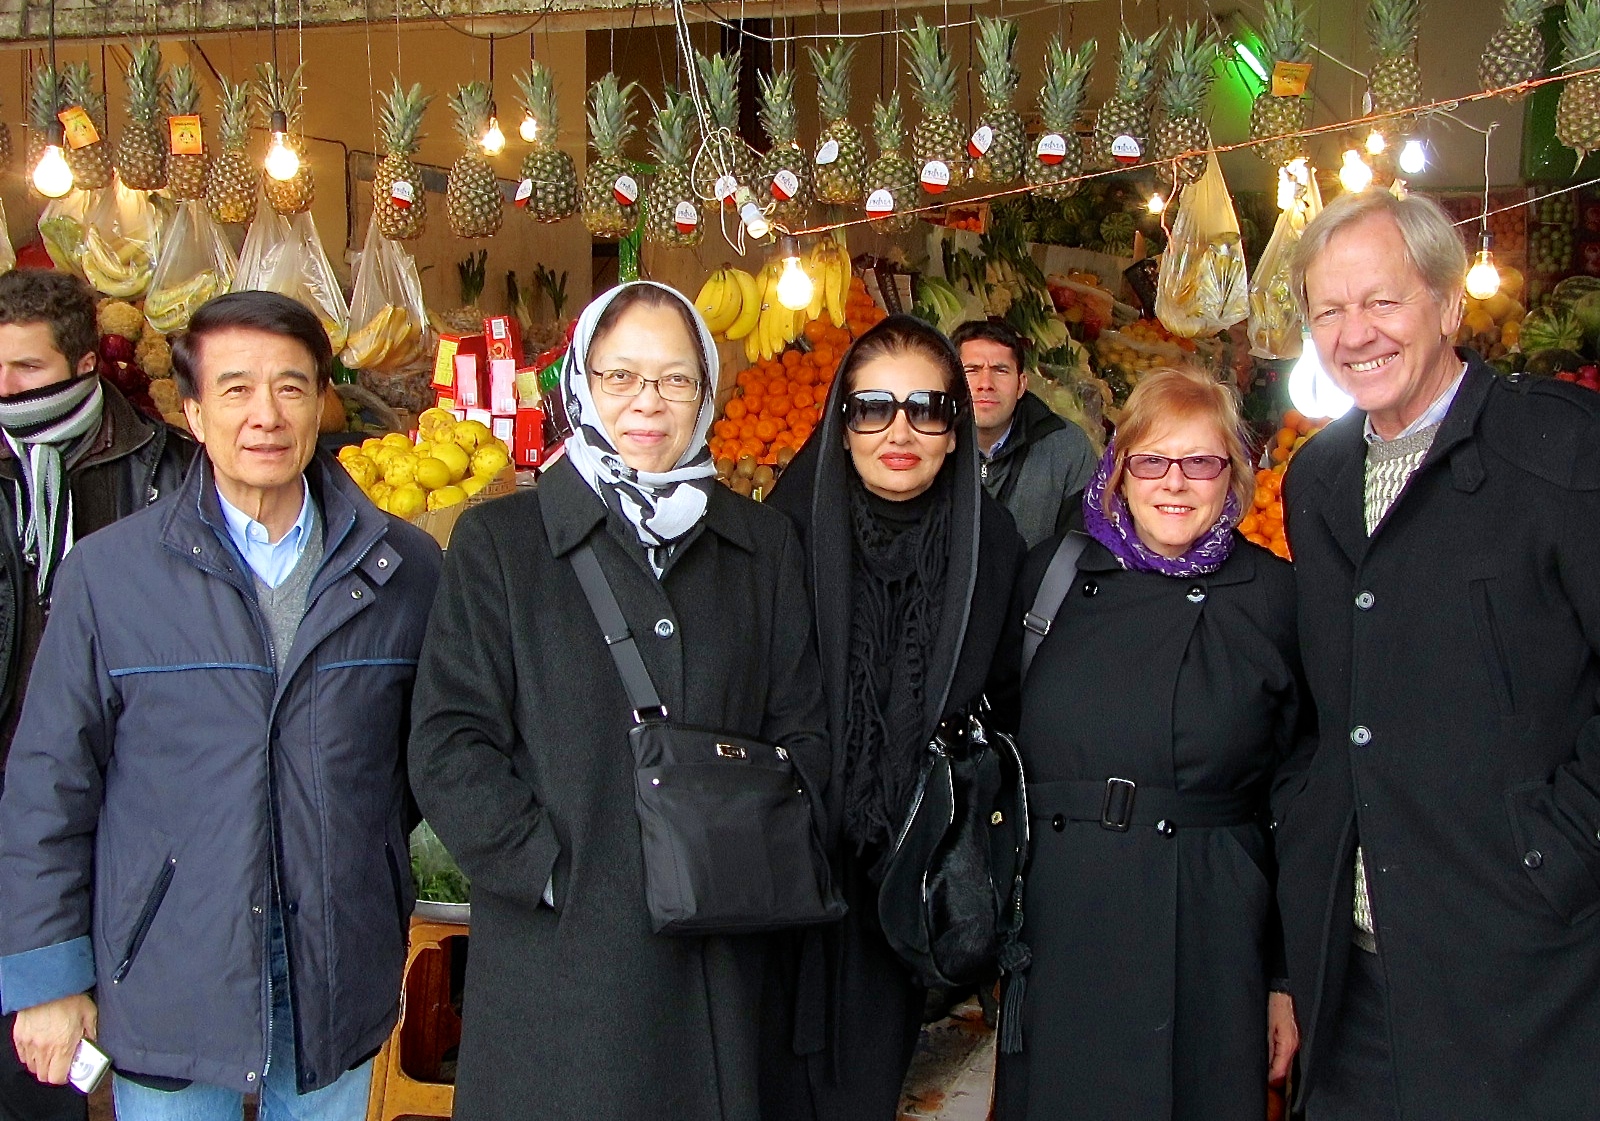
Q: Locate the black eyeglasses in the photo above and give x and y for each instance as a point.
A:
(1146, 466)
(929, 411)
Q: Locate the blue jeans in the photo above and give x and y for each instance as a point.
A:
(344, 1100)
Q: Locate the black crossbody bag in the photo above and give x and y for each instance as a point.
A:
(731, 843)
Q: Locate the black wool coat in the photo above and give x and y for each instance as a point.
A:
(1152, 948)
(844, 1016)
(1455, 661)
(522, 764)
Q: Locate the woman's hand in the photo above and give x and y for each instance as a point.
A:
(1283, 1036)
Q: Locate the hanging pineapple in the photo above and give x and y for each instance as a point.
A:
(671, 210)
(472, 197)
(186, 172)
(1284, 38)
(1128, 111)
(841, 157)
(275, 94)
(1182, 96)
(891, 180)
(725, 153)
(783, 175)
(1578, 110)
(44, 102)
(233, 180)
(91, 165)
(1001, 162)
(549, 173)
(1395, 81)
(1515, 53)
(610, 191)
(938, 138)
(398, 197)
(142, 154)
(1059, 156)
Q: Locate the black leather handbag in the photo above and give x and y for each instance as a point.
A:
(731, 842)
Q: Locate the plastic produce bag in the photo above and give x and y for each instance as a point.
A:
(61, 226)
(196, 264)
(388, 319)
(8, 254)
(1202, 287)
(319, 287)
(1275, 319)
(121, 241)
(286, 256)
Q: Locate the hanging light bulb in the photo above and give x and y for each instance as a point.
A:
(755, 223)
(282, 161)
(1355, 175)
(494, 141)
(1311, 390)
(1413, 158)
(1376, 143)
(52, 178)
(1483, 278)
(795, 287)
(529, 129)
(1156, 204)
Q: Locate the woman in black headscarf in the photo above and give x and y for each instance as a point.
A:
(911, 568)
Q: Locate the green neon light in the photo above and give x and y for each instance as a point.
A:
(1250, 60)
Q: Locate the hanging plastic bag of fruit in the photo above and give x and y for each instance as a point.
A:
(388, 319)
(1202, 287)
(285, 255)
(121, 241)
(319, 288)
(1275, 319)
(8, 254)
(61, 227)
(196, 264)
(266, 258)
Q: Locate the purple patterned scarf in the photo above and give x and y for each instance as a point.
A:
(1118, 534)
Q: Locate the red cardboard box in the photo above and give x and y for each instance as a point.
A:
(503, 337)
(444, 361)
(527, 449)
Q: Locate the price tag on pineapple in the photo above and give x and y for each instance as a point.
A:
(980, 143)
(80, 130)
(523, 194)
(785, 185)
(827, 153)
(879, 204)
(686, 217)
(725, 187)
(1125, 149)
(184, 135)
(1290, 79)
(626, 190)
(403, 194)
(935, 177)
(1052, 149)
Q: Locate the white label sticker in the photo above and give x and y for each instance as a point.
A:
(1052, 148)
(497, 327)
(879, 203)
(1126, 149)
(403, 193)
(982, 140)
(626, 190)
(725, 187)
(828, 152)
(935, 176)
(785, 185)
(524, 192)
(686, 217)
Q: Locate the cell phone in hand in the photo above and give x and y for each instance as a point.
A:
(89, 1066)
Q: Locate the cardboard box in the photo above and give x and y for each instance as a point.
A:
(444, 359)
(439, 524)
(503, 337)
(470, 381)
(502, 387)
(527, 445)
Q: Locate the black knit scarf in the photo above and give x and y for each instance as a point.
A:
(897, 583)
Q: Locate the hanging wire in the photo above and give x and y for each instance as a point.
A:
(1488, 132)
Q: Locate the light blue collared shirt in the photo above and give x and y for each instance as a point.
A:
(1432, 415)
(271, 561)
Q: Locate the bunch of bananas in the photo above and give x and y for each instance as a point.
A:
(740, 306)
(389, 340)
(123, 271)
(168, 309)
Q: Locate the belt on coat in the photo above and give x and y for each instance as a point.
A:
(1119, 803)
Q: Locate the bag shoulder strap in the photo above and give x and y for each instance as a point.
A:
(1052, 593)
(619, 639)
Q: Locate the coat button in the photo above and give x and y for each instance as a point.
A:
(1361, 735)
(356, 594)
(256, 910)
(664, 628)
(383, 562)
(293, 907)
(1058, 823)
(1365, 600)
(195, 550)
(1533, 858)
(311, 1076)
(1196, 594)
(1165, 828)
(1090, 588)
(250, 1077)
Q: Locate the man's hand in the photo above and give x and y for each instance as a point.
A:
(47, 1035)
(1283, 1036)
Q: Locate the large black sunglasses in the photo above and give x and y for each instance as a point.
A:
(929, 411)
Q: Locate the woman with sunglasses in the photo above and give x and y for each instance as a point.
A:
(520, 756)
(911, 567)
(1155, 711)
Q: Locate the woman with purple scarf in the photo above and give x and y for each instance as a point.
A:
(1153, 716)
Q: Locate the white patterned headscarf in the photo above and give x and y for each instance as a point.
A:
(662, 507)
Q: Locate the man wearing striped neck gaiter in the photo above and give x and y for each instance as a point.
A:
(74, 457)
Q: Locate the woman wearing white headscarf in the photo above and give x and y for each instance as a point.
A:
(519, 751)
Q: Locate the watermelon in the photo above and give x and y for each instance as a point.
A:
(1551, 329)
(1572, 289)
(1549, 363)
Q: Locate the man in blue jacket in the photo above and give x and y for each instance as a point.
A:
(202, 836)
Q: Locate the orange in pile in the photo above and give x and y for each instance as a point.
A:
(1263, 523)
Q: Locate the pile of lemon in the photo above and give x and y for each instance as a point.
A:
(450, 462)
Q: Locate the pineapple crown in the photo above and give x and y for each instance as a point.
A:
(144, 84)
(932, 69)
(538, 88)
(1136, 66)
(670, 129)
(233, 127)
(998, 76)
(1189, 75)
(776, 109)
(888, 124)
(273, 93)
(1392, 26)
(77, 83)
(470, 104)
(45, 99)
(1523, 12)
(183, 95)
(833, 78)
(400, 118)
(720, 72)
(1580, 34)
(1283, 32)
(1066, 78)
(610, 115)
